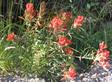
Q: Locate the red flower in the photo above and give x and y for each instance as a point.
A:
(29, 7)
(104, 64)
(105, 53)
(10, 37)
(68, 51)
(102, 55)
(56, 23)
(72, 73)
(64, 28)
(30, 12)
(78, 21)
(66, 16)
(102, 46)
(63, 41)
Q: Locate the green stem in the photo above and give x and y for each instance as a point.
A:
(79, 57)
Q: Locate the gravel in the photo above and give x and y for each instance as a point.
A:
(96, 74)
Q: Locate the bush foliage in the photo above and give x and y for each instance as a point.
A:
(55, 40)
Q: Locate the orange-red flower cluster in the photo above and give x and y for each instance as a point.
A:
(70, 74)
(10, 37)
(78, 21)
(68, 51)
(103, 55)
(29, 7)
(102, 46)
(30, 11)
(56, 24)
(64, 41)
(66, 16)
(60, 24)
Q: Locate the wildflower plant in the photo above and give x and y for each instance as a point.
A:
(48, 47)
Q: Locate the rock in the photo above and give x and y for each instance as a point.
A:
(94, 75)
